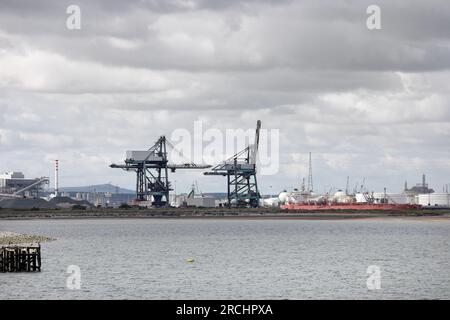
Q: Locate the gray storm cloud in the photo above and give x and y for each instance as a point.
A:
(367, 103)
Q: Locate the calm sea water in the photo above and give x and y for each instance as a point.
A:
(236, 259)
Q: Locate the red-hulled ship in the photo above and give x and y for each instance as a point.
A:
(351, 206)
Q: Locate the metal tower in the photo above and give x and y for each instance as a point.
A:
(346, 186)
(151, 167)
(240, 170)
(310, 176)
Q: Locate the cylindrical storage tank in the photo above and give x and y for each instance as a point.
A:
(342, 197)
(396, 198)
(339, 197)
(283, 197)
(434, 200)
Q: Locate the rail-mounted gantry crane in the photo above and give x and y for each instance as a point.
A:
(152, 171)
(240, 170)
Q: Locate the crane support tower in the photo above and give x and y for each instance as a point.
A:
(152, 171)
(240, 170)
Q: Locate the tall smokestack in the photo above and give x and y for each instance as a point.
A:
(56, 177)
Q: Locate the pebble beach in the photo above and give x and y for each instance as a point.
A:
(7, 237)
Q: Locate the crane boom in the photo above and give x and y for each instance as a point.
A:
(254, 147)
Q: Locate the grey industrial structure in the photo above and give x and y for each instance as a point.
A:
(240, 170)
(152, 172)
(15, 185)
(419, 188)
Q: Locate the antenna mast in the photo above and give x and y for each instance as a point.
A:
(310, 177)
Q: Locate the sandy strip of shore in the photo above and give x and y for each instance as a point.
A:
(7, 237)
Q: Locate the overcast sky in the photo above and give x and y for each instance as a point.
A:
(366, 103)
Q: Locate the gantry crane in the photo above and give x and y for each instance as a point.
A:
(240, 170)
(152, 176)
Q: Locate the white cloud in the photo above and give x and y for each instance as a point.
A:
(37, 70)
(367, 104)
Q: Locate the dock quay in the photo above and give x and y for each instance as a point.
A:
(15, 258)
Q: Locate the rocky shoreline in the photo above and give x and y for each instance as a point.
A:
(7, 237)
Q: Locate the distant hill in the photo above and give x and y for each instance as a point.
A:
(98, 188)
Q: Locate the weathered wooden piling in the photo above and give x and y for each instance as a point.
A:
(20, 258)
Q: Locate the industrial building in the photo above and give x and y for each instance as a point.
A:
(201, 202)
(419, 188)
(102, 199)
(14, 184)
(194, 198)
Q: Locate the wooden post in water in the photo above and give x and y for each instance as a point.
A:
(20, 258)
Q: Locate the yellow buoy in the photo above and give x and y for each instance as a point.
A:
(190, 260)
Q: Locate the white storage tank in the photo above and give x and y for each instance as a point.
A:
(397, 198)
(342, 197)
(434, 199)
(283, 197)
(270, 202)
